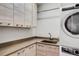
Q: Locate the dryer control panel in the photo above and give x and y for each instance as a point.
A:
(70, 50)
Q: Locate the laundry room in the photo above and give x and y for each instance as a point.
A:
(39, 29)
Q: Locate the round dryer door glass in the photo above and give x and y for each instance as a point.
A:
(72, 23)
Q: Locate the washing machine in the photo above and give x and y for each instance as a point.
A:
(69, 30)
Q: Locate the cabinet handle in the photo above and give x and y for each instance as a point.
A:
(23, 50)
(21, 25)
(0, 23)
(16, 24)
(8, 23)
(31, 47)
(41, 45)
(18, 53)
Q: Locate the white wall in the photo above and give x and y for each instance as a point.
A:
(48, 21)
(47, 6)
(67, 4)
(48, 25)
(10, 34)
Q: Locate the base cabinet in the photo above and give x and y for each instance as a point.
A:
(38, 49)
(27, 51)
(47, 50)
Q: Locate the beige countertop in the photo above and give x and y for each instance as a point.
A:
(11, 48)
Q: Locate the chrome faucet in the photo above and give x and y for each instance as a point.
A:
(50, 36)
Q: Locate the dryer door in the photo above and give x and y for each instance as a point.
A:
(71, 24)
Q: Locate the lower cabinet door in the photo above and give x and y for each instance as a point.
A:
(30, 50)
(41, 50)
(52, 51)
(33, 50)
(47, 50)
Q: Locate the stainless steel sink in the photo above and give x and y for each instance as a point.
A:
(50, 41)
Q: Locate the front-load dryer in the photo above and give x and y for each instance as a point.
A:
(69, 31)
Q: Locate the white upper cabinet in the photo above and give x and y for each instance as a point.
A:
(34, 20)
(28, 14)
(6, 14)
(19, 14)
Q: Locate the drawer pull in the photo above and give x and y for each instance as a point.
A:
(41, 45)
(18, 53)
(8, 23)
(23, 50)
(31, 47)
(16, 24)
(0, 23)
(21, 25)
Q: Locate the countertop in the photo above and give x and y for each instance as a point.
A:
(11, 48)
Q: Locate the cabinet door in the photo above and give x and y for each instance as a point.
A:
(28, 14)
(47, 50)
(52, 50)
(34, 20)
(41, 50)
(19, 14)
(6, 14)
(31, 50)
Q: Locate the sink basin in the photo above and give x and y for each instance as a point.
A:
(50, 41)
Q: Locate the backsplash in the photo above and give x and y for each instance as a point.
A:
(10, 34)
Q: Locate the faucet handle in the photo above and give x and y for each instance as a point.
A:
(50, 35)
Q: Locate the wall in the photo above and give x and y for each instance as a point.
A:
(48, 19)
(48, 26)
(47, 6)
(10, 34)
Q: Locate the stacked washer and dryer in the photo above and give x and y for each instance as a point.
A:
(69, 31)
